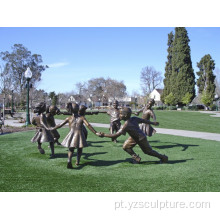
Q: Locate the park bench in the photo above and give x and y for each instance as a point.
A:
(8, 111)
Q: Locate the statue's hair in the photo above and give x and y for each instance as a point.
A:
(69, 107)
(82, 109)
(152, 100)
(75, 107)
(52, 108)
(40, 107)
(126, 111)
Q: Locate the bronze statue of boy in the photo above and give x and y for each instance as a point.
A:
(137, 136)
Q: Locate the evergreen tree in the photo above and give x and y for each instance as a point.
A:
(168, 67)
(206, 80)
(182, 78)
(53, 97)
(170, 99)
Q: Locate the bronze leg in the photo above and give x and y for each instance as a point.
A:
(40, 149)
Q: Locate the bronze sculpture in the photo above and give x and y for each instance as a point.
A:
(42, 135)
(147, 114)
(115, 123)
(137, 136)
(51, 111)
(71, 111)
(76, 137)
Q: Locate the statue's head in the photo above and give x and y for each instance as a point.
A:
(125, 113)
(40, 108)
(54, 110)
(150, 103)
(82, 109)
(75, 108)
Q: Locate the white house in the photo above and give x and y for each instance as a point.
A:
(156, 94)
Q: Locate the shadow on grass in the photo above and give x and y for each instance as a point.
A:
(102, 163)
(171, 145)
(97, 142)
(84, 155)
(4, 133)
(169, 162)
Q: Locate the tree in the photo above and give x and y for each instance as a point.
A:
(115, 89)
(183, 77)
(206, 80)
(170, 99)
(100, 87)
(187, 98)
(6, 83)
(217, 81)
(17, 62)
(168, 68)
(206, 98)
(53, 97)
(150, 79)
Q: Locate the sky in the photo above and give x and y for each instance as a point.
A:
(77, 54)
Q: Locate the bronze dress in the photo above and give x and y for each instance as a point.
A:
(41, 135)
(51, 123)
(147, 128)
(76, 137)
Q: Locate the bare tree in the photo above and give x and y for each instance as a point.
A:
(150, 79)
(114, 88)
(101, 88)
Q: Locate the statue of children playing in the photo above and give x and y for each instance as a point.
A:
(42, 135)
(131, 126)
(147, 114)
(115, 123)
(50, 112)
(76, 136)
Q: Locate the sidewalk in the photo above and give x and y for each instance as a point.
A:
(183, 133)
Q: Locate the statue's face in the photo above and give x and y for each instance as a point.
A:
(149, 104)
(123, 115)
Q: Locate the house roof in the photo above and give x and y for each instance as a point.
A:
(159, 90)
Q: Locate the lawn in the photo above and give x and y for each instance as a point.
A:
(194, 166)
(182, 120)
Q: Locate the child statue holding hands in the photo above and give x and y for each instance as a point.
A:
(75, 139)
(137, 136)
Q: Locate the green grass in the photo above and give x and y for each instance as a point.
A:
(193, 121)
(194, 166)
(182, 120)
